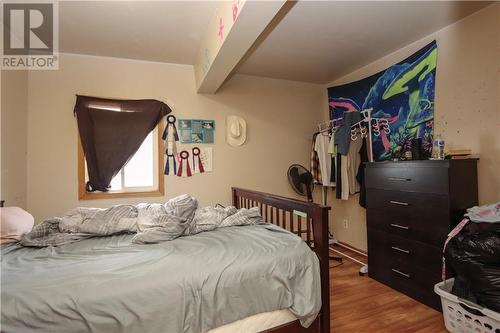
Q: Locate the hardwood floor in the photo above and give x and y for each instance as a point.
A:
(361, 304)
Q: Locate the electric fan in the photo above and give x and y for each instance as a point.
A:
(301, 180)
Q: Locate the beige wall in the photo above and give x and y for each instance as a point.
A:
(280, 116)
(467, 105)
(14, 95)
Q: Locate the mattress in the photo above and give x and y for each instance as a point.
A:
(257, 323)
(191, 284)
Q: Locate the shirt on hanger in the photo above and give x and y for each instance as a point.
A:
(325, 159)
(343, 133)
(353, 162)
(314, 164)
(332, 150)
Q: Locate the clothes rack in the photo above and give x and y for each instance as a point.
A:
(374, 125)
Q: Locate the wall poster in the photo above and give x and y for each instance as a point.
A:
(196, 130)
(403, 94)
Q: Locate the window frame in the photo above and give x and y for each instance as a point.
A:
(160, 191)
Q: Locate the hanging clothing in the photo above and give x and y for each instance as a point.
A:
(353, 162)
(339, 185)
(333, 169)
(324, 158)
(314, 165)
(363, 153)
(345, 177)
(343, 133)
(332, 150)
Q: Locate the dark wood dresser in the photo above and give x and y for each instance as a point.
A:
(411, 207)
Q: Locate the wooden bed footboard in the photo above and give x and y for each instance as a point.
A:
(305, 219)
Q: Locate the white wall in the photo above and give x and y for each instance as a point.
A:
(280, 115)
(14, 105)
(467, 105)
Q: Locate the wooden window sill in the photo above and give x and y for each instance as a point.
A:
(114, 195)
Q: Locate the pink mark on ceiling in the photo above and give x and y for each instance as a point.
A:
(221, 29)
(235, 11)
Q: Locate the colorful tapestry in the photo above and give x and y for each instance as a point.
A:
(403, 94)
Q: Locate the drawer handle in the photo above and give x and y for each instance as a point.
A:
(400, 249)
(401, 273)
(400, 203)
(398, 179)
(399, 226)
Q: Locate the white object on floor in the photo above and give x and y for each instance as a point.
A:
(454, 313)
(363, 270)
(257, 323)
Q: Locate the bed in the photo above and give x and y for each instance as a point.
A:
(234, 279)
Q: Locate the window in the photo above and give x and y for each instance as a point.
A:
(141, 176)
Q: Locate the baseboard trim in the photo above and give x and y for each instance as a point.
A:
(352, 248)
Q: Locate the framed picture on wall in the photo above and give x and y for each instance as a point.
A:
(196, 130)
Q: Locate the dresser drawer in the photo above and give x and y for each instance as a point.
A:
(416, 179)
(429, 230)
(408, 202)
(399, 252)
(409, 282)
(409, 275)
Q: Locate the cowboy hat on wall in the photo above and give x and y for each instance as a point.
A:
(236, 131)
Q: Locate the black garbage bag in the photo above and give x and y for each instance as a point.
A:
(474, 257)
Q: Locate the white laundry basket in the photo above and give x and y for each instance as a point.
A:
(457, 313)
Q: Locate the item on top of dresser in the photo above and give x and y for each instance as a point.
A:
(236, 131)
(184, 169)
(416, 148)
(408, 155)
(458, 153)
(438, 148)
(15, 222)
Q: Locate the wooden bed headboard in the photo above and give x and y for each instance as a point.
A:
(305, 219)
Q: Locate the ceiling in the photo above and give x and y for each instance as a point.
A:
(320, 41)
(165, 31)
(315, 41)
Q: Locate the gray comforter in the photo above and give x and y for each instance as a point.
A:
(190, 284)
(152, 223)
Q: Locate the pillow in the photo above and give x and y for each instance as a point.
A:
(14, 223)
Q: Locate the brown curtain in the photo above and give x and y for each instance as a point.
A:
(111, 132)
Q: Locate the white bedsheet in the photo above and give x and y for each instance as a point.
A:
(257, 323)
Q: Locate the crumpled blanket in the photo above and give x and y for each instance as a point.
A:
(152, 223)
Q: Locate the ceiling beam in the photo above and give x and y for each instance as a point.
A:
(232, 31)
